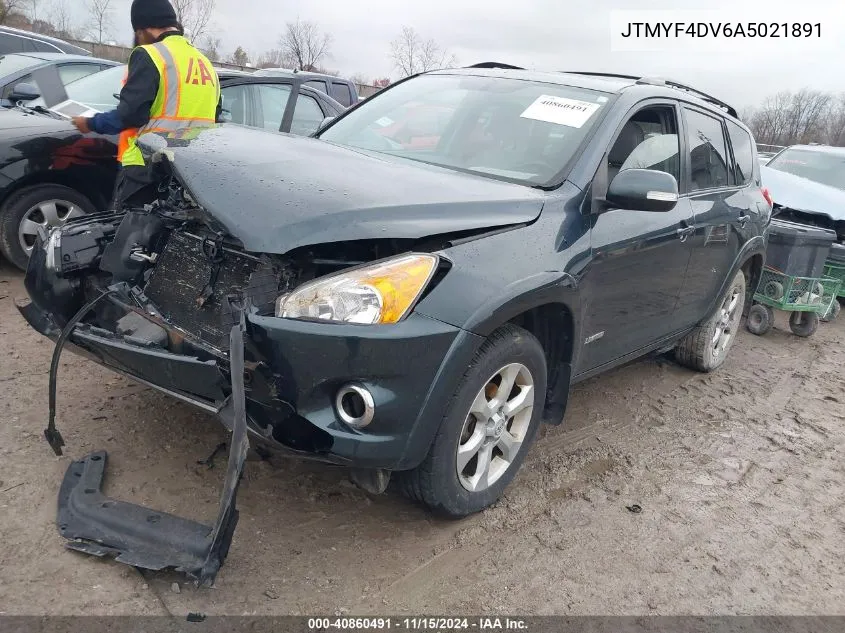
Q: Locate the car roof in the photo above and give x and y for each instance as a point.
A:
(287, 72)
(62, 57)
(44, 38)
(602, 82)
(821, 149)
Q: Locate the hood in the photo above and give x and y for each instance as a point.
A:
(801, 194)
(14, 124)
(276, 192)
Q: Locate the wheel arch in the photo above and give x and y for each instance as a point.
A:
(84, 186)
(545, 305)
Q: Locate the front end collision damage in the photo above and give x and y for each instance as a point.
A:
(275, 380)
(145, 538)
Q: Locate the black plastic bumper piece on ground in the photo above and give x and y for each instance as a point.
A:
(141, 537)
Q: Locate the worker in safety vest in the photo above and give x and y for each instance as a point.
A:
(170, 88)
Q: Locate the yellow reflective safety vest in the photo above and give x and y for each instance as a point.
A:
(187, 98)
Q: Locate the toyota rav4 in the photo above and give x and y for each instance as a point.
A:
(416, 310)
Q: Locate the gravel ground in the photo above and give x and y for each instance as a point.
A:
(738, 474)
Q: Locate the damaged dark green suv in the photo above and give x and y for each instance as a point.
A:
(419, 286)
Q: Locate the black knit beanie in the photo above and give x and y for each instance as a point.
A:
(153, 14)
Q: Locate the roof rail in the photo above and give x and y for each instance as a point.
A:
(653, 81)
(704, 96)
(495, 65)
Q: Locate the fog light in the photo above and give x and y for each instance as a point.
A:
(355, 406)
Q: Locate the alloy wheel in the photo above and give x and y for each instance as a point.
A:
(726, 324)
(495, 427)
(46, 214)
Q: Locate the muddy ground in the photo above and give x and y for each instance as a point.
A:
(740, 476)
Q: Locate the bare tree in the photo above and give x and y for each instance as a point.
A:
(60, 18)
(240, 57)
(211, 48)
(305, 43)
(836, 122)
(194, 16)
(360, 79)
(99, 12)
(9, 7)
(275, 58)
(411, 54)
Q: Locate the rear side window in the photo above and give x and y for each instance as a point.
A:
(317, 85)
(45, 47)
(743, 154)
(11, 44)
(341, 93)
(708, 151)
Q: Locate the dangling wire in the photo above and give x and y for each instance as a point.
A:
(51, 433)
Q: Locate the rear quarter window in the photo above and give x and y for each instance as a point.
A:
(743, 149)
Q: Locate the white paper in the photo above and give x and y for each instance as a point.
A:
(560, 110)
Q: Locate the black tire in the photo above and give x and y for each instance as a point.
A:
(17, 205)
(834, 311)
(760, 320)
(804, 324)
(697, 350)
(436, 481)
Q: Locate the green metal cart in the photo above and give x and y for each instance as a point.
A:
(809, 299)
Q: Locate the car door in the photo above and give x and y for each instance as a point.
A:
(638, 258)
(717, 204)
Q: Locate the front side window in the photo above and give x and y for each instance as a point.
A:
(341, 93)
(822, 167)
(708, 153)
(317, 85)
(743, 154)
(236, 103)
(307, 116)
(71, 72)
(648, 140)
(273, 99)
(511, 129)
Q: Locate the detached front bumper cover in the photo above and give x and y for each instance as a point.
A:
(139, 536)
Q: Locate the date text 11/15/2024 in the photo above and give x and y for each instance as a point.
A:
(428, 624)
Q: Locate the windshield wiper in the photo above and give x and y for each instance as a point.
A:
(35, 110)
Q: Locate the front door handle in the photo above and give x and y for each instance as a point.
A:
(742, 219)
(685, 231)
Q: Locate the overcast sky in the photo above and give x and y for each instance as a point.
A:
(545, 34)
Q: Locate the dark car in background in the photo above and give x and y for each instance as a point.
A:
(19, 41)
(16, 73)
(49, 173)
(341, 90)
(807, 185)
(420, 308)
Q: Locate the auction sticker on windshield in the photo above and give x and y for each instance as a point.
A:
(560, 110)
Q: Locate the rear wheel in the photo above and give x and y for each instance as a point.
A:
(804, 324)
(760, 319)
(707, 346)
(486, 432)
(31, 208)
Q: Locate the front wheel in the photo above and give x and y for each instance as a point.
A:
(488, 427)
(707, 346)
(804, 324)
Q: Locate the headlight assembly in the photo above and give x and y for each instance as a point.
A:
(381, 293)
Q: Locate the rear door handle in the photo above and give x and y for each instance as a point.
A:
(685, 231)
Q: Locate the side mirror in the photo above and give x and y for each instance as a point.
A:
(643, 190)
(24, 92)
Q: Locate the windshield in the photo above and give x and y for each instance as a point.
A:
(97, 91)
(823, 167)
(13, 63)
(510, 129)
